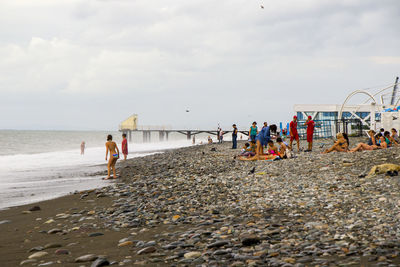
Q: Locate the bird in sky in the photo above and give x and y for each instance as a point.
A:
(187, 110)
(262, 7)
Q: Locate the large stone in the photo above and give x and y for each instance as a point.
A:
(52, 245)
(54, 231)
(37, 255)
(250, 240)
(218, 244)
(100, 262)
(146, 250)
(28, 261)
(192, 255)
(86, 258)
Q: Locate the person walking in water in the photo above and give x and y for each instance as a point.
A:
(310, 132)
(111, 147)
(124, 146)
(253, 131)
(83, 147)
(234, 136)
(294, 135)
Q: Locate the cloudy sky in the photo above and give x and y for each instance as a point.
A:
(89, 64)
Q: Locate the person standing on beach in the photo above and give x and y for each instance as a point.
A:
(234, 137)
(310, 132)
(124, 146)
(253, 131)
(219, 130)
(294, 135)
(111, 147)
(83, 145)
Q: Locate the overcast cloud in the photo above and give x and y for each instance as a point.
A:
(85, 64)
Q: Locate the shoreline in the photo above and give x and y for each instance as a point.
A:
(195, 206)
(81, 173)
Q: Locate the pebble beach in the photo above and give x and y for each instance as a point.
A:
(199, 206)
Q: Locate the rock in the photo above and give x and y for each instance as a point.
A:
(39, 248)
(4, 222)
(54, 231)
(192, 255)
(52, 245)
(37, 255)
(126, 243)
(95, 234)
(100, 262)
(86, 258)
(250, 240)
(28, 261)
(46, 263)
(61, 252)
(218, 244)
(49, 221)
(146, 250)
(35, 208)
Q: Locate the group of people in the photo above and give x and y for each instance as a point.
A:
(263, 138)
(383, 139)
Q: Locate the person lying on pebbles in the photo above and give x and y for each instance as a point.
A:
(371, 145)
(273, 153)
(341, 144)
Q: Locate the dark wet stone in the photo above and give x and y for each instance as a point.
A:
(250, 240)
(95, 234)
(35, 208)
(52, 245)
(218, 244)
(61, 252)
(100, 262)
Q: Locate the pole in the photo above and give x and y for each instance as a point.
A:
(394, 91)
(373, 123)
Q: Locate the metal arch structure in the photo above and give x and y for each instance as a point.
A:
(379, 92)
(350, 96)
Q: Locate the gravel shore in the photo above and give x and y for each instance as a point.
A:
(198, 206)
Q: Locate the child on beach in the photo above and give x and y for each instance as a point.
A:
(124, 146)
(209, 139)
(248, 150)
(284, 151)
(111, 147)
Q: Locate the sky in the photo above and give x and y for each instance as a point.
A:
(89, 64)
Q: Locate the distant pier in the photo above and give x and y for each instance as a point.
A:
(164, 134)
(130, 125)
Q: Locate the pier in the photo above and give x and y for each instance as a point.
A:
(164, 134)
(130, 125)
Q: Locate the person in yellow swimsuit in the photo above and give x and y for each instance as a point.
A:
(111, 147)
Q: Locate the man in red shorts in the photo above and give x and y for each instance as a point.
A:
(294, 135)
(310, 132)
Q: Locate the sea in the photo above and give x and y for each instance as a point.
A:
(41, 165)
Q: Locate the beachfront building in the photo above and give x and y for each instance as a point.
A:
(331, 112)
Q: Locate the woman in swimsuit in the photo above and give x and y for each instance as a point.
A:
(341, 145)
(111, 147)
(371, 145)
